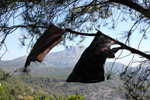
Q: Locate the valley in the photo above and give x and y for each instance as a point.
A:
(54, 86)
(46, 80)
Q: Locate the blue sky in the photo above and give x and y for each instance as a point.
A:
(15, 49)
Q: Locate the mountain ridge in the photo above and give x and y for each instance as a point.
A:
(63, 58)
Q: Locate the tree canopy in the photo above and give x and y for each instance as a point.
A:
(35, 16)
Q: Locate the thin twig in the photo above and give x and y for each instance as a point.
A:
(4, 51)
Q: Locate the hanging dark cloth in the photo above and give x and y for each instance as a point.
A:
(90, 67)
(50, 38)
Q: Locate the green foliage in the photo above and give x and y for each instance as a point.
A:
(13, 92)
(11, 97)
(28, 98)
(75, 97)
(44, 97)
(2, 93)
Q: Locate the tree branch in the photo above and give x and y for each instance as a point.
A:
(124, 46)
(78, 33)
(134, 6)
(132, 50)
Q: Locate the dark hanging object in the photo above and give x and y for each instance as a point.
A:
(90, 67)
(50, 38)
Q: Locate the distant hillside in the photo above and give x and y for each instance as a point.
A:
(13, 63)
(63, 58)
